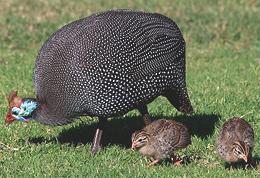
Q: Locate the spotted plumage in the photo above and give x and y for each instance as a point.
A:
(109, 63)
(236, 141)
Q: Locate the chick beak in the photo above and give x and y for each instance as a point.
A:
(133, 146)
(245, 158)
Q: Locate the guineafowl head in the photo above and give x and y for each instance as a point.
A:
(20, 109)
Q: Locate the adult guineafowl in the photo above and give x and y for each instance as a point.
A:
(105, 65)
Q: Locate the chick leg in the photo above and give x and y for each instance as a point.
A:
(251, 163)
(176, 161)
(231, 166)
(144, 111)
(152, 163)
(96, 144)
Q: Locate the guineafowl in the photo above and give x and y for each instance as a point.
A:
(235, 142)
(105, 65)
(160, 139)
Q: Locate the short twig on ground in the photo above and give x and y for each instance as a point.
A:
(6, 147)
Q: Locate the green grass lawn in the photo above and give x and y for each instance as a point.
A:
(223, 76)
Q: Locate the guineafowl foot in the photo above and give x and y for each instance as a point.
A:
(95, 149)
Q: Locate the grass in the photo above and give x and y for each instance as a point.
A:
(223, 76)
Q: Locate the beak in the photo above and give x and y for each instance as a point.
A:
(9, 118)
(245, 158)
(133, 146)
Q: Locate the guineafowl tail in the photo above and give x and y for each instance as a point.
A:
(46, 116)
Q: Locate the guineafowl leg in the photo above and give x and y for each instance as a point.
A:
(144, 111)
(96, 144)
(179, 98)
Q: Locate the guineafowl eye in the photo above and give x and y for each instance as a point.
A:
(15, 111)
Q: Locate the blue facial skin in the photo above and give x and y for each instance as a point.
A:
(25, 111)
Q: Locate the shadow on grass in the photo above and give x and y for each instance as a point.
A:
(119, 130)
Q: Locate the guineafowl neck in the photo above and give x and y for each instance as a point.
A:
(30, 104)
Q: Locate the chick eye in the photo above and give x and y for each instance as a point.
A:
(140, 139)
(238, 151)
